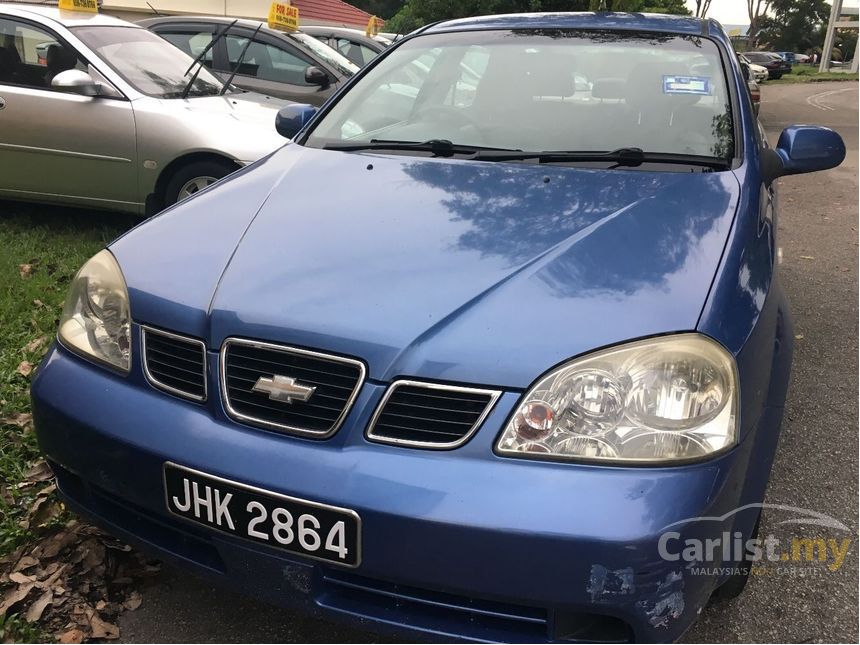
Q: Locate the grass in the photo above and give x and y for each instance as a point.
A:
(54, 242)
(810, 74)
(14, 629)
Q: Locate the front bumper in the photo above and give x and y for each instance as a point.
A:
(461, 544)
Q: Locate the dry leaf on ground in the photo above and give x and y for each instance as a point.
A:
(25, 368)
(26, 270)
(35, 344)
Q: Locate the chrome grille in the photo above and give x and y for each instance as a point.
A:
(427, 415)
(174, 363)
(335, 382)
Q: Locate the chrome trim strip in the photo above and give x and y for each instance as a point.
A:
(144, 330)
(493, 394)
(287, 349)
(62, 153)
(268, 493)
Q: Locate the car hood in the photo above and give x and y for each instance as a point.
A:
(486, 273)
(244, 107)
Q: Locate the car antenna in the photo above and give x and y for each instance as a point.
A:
(200, 56)
(238, 62)
(154, 10)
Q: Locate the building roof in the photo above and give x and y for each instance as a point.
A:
(333, 12)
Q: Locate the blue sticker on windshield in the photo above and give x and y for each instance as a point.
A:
(686, 85)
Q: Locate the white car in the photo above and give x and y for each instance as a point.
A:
(759, 73)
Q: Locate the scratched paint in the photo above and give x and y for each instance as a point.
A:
(668, 601)
(604, 583)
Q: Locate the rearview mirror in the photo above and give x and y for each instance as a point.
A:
(75, 81)
(315, 76)
(803, 148)
(292, 118)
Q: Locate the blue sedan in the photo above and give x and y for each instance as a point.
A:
(470, 355)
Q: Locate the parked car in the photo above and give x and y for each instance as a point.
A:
(97, 112)
(352, 43)
(459, 370)
(293, 66)
(787, 56)
(752, 84)
(775, 65)
(757, 72)
(802, 58)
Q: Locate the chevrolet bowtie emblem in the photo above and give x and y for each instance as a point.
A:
(283, 389)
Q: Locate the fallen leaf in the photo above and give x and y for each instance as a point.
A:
(36, 610)
(103, 629)
(133, 601)
(25, 563)
(25, 368)
(26, 270)
(21, 419)
(39, 303)
(72, 636)
(14, 596)
(807, 257)
(798, 337)
(21, 579)
(35, 344)
(39, 472)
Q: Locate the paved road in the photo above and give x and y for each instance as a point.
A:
(816, 467)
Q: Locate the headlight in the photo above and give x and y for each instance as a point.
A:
(660, 400)
(96, 321)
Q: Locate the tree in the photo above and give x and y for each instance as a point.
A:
(702, 7)
(381, 8)
(756, 10)
(791, 24)
(417, 13)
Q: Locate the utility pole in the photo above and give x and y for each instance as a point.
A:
(827, 50)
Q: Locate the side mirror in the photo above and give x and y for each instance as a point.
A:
(75, 81)
(292, 118)
(315, 76)
(803, 148)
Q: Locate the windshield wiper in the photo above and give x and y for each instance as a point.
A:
(199, 58)
(239, 61)
(626, 157)
(438, 147)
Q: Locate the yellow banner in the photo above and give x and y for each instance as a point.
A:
(283, 16)
(90, 6)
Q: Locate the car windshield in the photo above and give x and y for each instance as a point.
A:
(542, 90)
(329, 55)
(147, 62)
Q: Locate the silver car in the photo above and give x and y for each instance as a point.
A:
(98, 112)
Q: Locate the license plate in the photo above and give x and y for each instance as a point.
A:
(296, 525)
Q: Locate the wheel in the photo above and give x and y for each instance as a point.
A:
(735, 584)
(193, 178)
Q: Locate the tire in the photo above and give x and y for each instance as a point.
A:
(735, 584)
(193, 177)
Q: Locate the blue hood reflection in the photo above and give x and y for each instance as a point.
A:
(463, 271)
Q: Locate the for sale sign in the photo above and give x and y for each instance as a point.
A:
(283, 16)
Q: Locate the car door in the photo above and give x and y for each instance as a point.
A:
(356, 51)
(275, 67)
(53, 144)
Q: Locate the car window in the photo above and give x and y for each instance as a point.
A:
(267, 62)
(568, 90)
(31, 56)
(148, 62)
(331, 56)
(192, 42)
(356, 52)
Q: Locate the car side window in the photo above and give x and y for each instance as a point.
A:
(192, 42)
(267, 62)
(32, 57)
(356, 52)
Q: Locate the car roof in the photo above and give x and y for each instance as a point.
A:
(219, 20)
(66, 18)
(581, 20)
